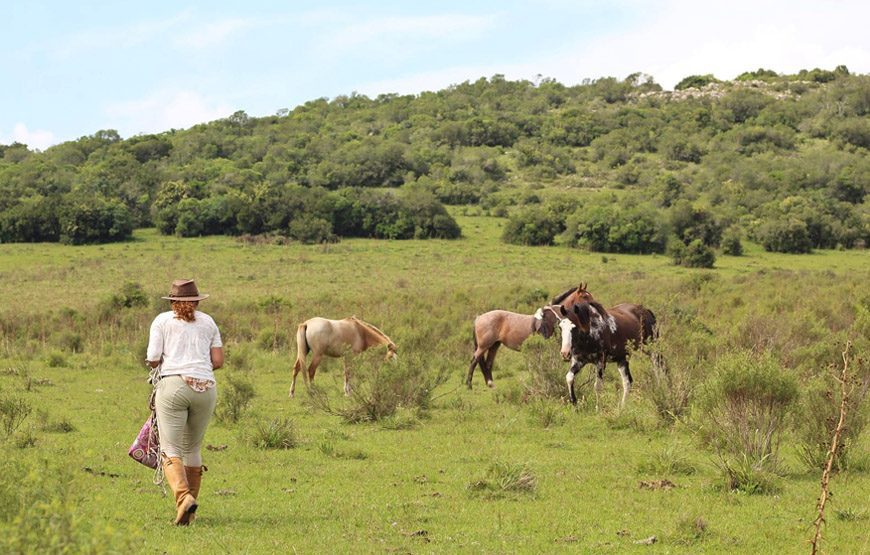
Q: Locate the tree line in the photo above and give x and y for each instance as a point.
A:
(611, 165)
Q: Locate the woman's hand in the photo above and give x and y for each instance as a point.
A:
(217, 357)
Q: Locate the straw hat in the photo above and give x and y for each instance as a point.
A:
(184, 290)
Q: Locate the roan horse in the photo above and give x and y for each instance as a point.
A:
(593, 334)
(335, 338)
(501, 327)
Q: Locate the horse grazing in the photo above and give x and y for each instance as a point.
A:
(500, 327)
(335, 338)
(593, 334)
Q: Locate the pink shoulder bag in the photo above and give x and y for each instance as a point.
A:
(146, 447)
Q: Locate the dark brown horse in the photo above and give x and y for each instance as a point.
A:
(593, 334)
(501, 327)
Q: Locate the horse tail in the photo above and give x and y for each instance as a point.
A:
(650, 332)
(302, 346)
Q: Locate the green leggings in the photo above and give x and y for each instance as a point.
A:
(182, 417)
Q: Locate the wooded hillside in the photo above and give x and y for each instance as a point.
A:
(610, 165)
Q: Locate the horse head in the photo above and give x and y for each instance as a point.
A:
(392, 351)
(573, 296)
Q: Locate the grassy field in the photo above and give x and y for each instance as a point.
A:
(414, 482)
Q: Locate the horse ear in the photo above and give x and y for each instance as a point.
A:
(563, 310)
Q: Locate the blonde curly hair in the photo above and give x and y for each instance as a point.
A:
(184, 310)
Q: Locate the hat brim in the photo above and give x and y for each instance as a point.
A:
(196, 298)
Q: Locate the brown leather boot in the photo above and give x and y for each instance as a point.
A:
(194, 480)
(185, 502)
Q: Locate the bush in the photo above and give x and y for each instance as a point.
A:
(380, 389)
(616, 228)
(694, 255)
(730, 243)
(42, 514)
(532, 226)
(785, 235)
(131, 295)
(14, 410)
(743, 411)
(817, 418)
(235, 398)
(94, 219)
(310, 229)
(695, 81)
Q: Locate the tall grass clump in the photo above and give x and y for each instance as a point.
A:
(276, 433)
(505, 478)
(235, 398)
(379, 389)
(743, 412)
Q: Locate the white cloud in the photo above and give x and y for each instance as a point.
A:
(164, 110)
(671, 40)
(117, 37)
(395, 33)
(211, 34)
(39, 139)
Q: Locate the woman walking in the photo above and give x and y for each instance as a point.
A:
(186, 344)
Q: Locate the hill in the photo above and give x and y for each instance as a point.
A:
(611, 165)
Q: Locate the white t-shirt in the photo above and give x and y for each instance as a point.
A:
(184, 346)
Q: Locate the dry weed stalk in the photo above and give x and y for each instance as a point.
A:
(826, 474)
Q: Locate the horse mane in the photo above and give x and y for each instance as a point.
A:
(564, 295)
(598, 307)
(372, 328)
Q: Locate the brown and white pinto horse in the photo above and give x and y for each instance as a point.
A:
(593, 334)
(501, 327)
(335, 338)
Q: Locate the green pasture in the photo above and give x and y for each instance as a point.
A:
(410, 483)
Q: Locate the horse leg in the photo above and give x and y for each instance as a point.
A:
(476, 360)
(296, 369)
(346, 377)
(625, 372)
(315, 360)
(487, 364)
(569, 379)
(599, 378)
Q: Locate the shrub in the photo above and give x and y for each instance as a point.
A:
(695, 81)
(546, 414)
(310, 229)
(532, 226)
(93, 219)
(277, 433)
(785, 235)
(14, 410)
(43, 512)
(817, 419)
(730, 243)
(694, 255)
(669, 461)
(235, 398)
(380, 389)
(743, 411)
(131, 295)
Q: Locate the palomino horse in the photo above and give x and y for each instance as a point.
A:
(501, 327)
(335, 338)
(593, 334)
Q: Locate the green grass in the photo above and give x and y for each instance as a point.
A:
(384, 487)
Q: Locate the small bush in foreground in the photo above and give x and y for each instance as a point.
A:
(14, 410)
(669, 461)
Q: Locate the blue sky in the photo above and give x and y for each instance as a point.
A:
(71, 68)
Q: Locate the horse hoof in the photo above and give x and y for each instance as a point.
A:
(490, 384)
